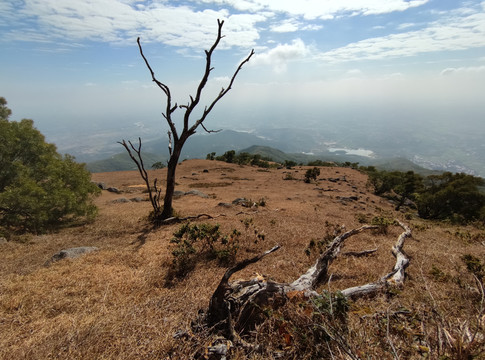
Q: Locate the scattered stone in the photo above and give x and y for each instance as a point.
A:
(348, 198)
(239, 201)
(334, 180)
(71, 253)
(178, 193)
(193, 174)
(101, 185)
(244, 202)
(198, 193)
(223, 204)
(3, 240)
(205, 171)
(121, 200)
(114, 190)
(138, 199)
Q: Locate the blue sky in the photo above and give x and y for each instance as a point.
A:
(73, 65)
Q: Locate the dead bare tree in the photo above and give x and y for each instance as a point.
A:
(176, 139)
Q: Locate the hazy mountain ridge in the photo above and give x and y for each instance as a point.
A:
(230, 140)
(303, 145)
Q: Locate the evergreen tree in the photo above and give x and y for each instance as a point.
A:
(39, 189)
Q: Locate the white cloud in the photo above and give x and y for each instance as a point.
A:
(292, 25)
(318, 9)
(406, 26)
(289, 25)
(471, 70)
(279, 56)
(118, 21)
(121, 21)
(448, 34)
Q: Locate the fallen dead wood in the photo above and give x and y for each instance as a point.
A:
(174, 220)
(360, 253)
(236, 308)
(395, 277)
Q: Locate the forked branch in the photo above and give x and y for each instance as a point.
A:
(138, 160)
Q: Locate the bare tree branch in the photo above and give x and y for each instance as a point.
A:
(155, 200)
(223, 92)
(169, 109)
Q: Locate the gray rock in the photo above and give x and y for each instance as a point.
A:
(178, 193)
(3, 240)
(71, 253)
(101, 185)
(114, 190)
(223, 204)
(121, 200)
(348, 198)
(138, 199)
(197, 192)
(243, 202)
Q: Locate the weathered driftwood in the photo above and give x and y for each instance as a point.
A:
(395, 277)
(235, 308)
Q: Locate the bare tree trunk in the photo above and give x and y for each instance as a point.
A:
(167, 210)
(188, 129)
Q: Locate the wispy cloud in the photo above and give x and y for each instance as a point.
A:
(317, 9)
(292, 25)
(452, 33)
(463, 70)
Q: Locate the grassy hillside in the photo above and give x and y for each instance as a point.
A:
(123, 302)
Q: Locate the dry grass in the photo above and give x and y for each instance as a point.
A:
(113, 304)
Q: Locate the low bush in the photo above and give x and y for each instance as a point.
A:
(201, 241)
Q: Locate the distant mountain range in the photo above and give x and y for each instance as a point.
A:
(285, 145)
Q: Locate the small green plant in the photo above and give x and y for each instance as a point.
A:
(362, 218)
(312, 174)
(438, 274)
(474, 266)
(331, 231)
(382, 224)
(199, 241)
(246, 222)
(333, 304)
(251, 229)
(261, 202)
(158, 165)
(289, 176)
(289, 164)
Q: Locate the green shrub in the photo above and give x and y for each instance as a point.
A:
(312, 174)
(40, 190)
(382, 224)
(453, 197)
(202, 241)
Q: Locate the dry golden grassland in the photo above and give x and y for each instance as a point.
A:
(115, 303)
